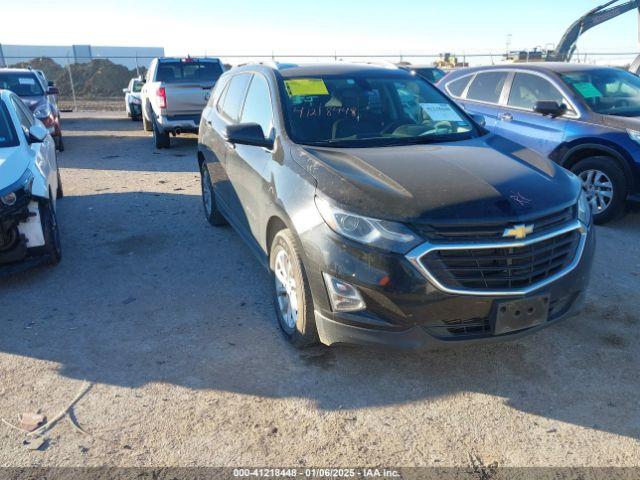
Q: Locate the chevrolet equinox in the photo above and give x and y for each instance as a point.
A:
(385, 213)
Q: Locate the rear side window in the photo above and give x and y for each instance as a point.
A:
(528, 89)
(234, 96)
(257, 106)
(188, 71)
(487, 87)
(8, 136)
(456, 87)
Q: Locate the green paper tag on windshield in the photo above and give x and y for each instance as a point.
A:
(587, 90)
(305, 86)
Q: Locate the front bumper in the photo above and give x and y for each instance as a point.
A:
(135, 109)
(406, 310)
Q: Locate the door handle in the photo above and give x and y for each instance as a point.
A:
(507, 117)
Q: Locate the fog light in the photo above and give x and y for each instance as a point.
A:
(9, 199)
(344, 296)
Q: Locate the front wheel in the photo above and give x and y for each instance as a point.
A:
(605, 185)
(52, 244)
(292, 296)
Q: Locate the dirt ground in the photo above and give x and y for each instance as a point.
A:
(170, 322)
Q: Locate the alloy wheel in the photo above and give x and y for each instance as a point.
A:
(286, 289)
(599, 189)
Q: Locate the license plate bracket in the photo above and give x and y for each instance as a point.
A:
(521, 314)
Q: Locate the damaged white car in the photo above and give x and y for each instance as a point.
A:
(29, 187)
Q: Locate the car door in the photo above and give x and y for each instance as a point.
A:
(246, 163)
(217, 151)
(518, 121)
(483, 96)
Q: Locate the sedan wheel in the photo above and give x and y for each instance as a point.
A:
(599, 189)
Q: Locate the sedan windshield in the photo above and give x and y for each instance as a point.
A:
(607, 91)
(8, 137)
(22, 84)
(363, 111)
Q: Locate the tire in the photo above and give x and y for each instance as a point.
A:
(146, 125)
(211, 212)
(59, 143)
(298, 324)
(59, 191)
(611, 184)
(52, 245)
(160, 139)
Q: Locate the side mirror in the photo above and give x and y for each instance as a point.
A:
(53, 91)
(479, 119)
(125, 90)
(247, 134)
(551, 108)
(37, 134)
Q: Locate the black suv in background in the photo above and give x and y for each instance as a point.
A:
(385, 213)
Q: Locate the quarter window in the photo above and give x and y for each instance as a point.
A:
(456, 87)
(234, 96)
(487, 87)
(257, 106)
(528, 89)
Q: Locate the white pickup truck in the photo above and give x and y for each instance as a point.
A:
(175, 93)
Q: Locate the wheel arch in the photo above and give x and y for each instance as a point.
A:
(274, 225)
(573, 154)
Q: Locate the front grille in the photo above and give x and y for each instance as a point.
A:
(488, 232)
(502, 268)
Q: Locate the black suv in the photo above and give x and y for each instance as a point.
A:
(385, 213)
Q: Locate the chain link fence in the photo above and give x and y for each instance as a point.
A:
(97, 83)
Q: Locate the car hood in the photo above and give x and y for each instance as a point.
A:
(33, 102)
(488, 178)
(13, 163)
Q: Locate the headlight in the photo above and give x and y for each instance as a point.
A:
(21, 187)
(584, 209)
(370, 231)
(42, 111)
(135, 100)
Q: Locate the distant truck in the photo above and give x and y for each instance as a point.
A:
(175, 93)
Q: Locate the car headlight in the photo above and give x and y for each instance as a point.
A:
(21, 187)
(42, 111)
(369, 231)
(135, 100)
(584, 209)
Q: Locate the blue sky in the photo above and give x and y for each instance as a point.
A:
(314, 27)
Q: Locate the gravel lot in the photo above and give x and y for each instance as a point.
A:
(171, 322)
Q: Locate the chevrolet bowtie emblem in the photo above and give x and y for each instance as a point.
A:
(518, 231)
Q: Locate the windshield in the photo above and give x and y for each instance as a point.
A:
(8, 137)
(361, 111)
(432, 74)
(188, 71)
(607, 91)
(22, 84)
(137, 86)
